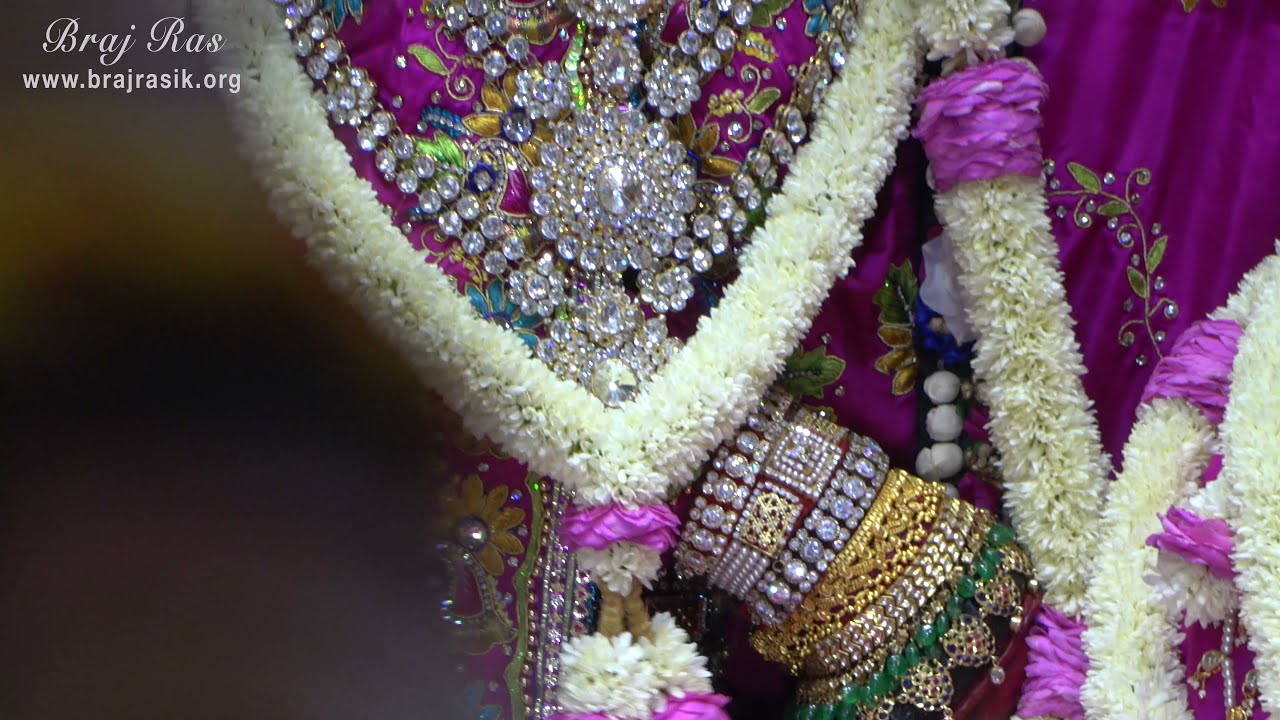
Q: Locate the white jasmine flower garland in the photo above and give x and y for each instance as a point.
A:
(1054, 469)
(1186, 587)
(971, 29)
(675, 658)
(615, 566)
(630, 455)
(628, 679)
(1251, 464)
(608, 675)
(1190, 591)
(1131, 640)
(1132, 637)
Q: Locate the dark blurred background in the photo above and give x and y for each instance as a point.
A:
(213, 479)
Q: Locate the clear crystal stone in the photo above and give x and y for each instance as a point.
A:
(468, 207)
(451, 224)
(614, 383)
(495, 263)
(492, 227)
(317, 67)
(827, 529)
(737, 466)
(517, 47)
(448, 187)
(568, 247)
(330, 49)
(407, 181)
(811, 551)
(778, 593)
(429, 202)
(618, 190)
(385, 161)
(402, 147)
(495, 64)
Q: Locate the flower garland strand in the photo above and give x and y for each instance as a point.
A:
(1133, 637)
(1132, 642)
(1251, 463)
(1052, 460)
(625, 458)
(484, 373)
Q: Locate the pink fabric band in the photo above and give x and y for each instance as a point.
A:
(1198, 368)
(693, 706)
(982, 123)
(653, 526)
(1056, 667)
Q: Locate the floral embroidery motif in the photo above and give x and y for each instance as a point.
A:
(340, 10)
(481, 523)
(498, 117)
(702, 144)
(896, 300)
(492, 304)
(818, 11)
(477, 530)
(1095, 198)
(807, 374)
(473, 704)
(755, 45)
(1189, 5)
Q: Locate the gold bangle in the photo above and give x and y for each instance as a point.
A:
(886, 543)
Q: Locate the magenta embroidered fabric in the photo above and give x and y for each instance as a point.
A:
(982, 122)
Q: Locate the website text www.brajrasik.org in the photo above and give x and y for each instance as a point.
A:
(168, 36)
(129, 81)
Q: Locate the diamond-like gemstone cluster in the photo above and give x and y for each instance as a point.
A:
(620, 221)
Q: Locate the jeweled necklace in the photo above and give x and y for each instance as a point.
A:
(623, 213)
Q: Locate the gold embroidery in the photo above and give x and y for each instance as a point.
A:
(702, 143)
(1096, 200)
(755, 45)
(1189, 5)
(896, 300)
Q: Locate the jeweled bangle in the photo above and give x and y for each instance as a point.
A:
(951, 632)
(780, 502)
(893, 534)
(860, 647)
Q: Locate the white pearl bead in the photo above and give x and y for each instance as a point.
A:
(1028, 27)
(942, 387)
(943, 423)
(939, 461)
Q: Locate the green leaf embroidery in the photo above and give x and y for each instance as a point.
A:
(428, 60)
(1189, 5)
(760, 102)
(440, 148)
(762, 14)
(1087, 178)
(1137, 282)
(898, 294)
(1113, 208)
(808, 373)
(1156, 254)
